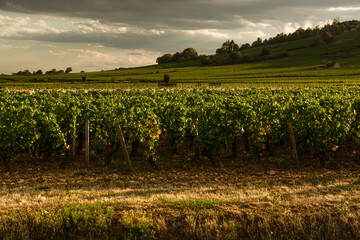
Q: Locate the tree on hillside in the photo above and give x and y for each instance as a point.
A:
(327, 37)
(235, 57)
(68, 70)
(336, 30)
(265, 52)
(257, 43)
(189, 53)
(228, 47)
(26, 72)
(206, 60)
(52, 71)
(39, 72)
(166, 58)
(176, 57)
(245, 46)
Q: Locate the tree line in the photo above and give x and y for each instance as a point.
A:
(187, 54)
(325, 34)
(40, 72)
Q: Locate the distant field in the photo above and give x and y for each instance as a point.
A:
(303, 67)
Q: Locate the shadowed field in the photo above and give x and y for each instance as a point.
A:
(179, 201)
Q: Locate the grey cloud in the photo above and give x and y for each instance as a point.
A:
(135, 54)
(184, 14)
(174, 18)
(168, 42)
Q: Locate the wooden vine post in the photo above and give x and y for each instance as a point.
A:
(123, 145)
(73, 142)
(293, 143)
(87, 142)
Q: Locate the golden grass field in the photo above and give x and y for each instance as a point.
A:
(182, 199)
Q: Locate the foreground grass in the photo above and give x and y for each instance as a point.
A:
(194, 220)
(45, 202)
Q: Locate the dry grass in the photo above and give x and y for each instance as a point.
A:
(152, 198)
(306, 187)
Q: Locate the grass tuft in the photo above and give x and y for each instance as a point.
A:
(191, 204)
(320, 180)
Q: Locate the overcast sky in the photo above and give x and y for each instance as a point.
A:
(95, 35)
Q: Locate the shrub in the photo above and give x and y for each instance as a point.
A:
(166, 78)
(206, 60)
(165, 58)
(265, 52)
(248, 58)
(235, 57)
(327, 37)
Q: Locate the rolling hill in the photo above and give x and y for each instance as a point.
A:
(304, 63)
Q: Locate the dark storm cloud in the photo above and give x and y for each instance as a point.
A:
(184, 14)
(167, 42)
(171, 25)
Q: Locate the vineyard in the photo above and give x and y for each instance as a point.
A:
(267, 148)
(47, 123)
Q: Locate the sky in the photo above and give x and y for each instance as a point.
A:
(94, 35)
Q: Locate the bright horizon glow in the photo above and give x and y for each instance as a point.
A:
(335, 9)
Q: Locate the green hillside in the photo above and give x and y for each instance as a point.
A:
(304, 64)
